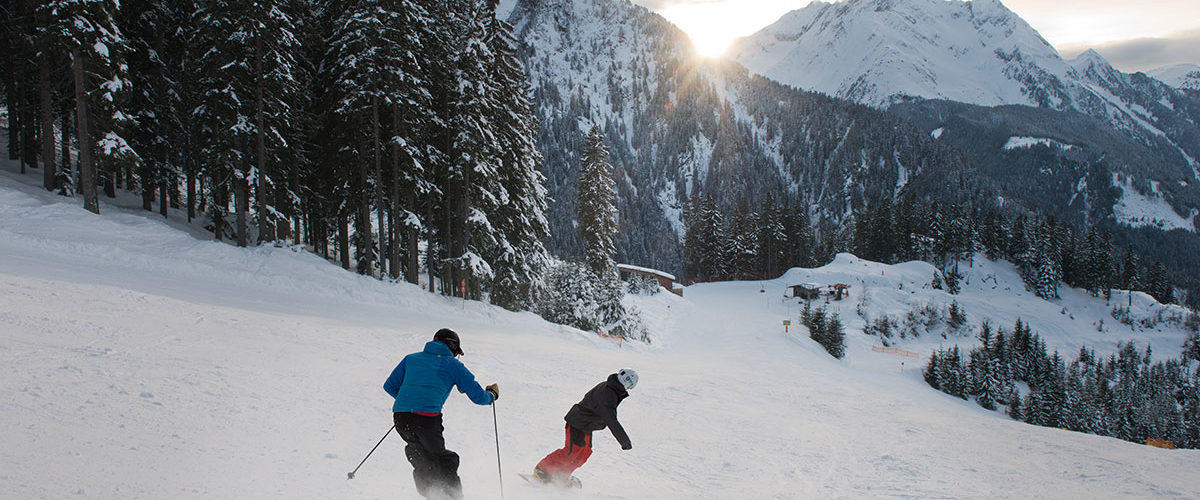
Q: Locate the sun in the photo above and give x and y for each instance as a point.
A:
(703, 24)
(713, 25)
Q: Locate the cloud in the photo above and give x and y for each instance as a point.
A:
(1141, 54)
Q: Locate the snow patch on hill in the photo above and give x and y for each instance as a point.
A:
(1180, 76)
(1138, 210)
(1029, 142)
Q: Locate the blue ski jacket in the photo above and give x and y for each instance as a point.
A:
(422, 381)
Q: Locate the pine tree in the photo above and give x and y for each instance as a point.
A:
(520, 258)
(598, 221)
(800, 242)
(87, 30)
(1131, 270)
(771, 238)
(155, 32)
(226, 126)
(1159, 283)
(930, 373)
(881, 238)
(378, 45)
(742, 249)
(956, 317)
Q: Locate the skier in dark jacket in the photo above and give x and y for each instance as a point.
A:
(597, 410)
(421, 383)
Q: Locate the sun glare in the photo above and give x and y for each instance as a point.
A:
(708, 36)
(712, 26)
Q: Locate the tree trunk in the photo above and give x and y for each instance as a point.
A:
(29, 125)
(46, 100)
(191, 196)
(65, 136)
(148, 184)
(163, 187)
(464, 235)
(266, 229)
(11, 102)
(87, 171)
(109, 176)
(430, 259)
(394, 205)
(378, 191)
(201, 199)
(367, 239)
(220, 197)
(344, 240)
(20, 125)
(411, 251)
(293, 207)
(242, 199)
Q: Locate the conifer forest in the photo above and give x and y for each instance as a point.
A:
(393, 137)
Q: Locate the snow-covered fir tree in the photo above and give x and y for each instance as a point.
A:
(87, 31)
(598, 222)
(377, 71)
(520, 256)
(1126, 396)
(704, 239)
(742, 249)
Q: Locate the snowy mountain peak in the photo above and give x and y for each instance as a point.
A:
(1090, 65)
(1089, 57)
(880, 51)
(1180, 76)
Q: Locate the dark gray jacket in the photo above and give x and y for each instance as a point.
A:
(598, 409)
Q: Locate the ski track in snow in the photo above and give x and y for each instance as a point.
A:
(141, 360)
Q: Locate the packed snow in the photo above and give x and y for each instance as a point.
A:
(143, 360)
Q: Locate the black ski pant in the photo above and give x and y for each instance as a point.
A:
(435, 469)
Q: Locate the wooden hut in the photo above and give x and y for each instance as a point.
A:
(666, 280)
(806, 291)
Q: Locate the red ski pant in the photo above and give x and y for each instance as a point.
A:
(562, 462)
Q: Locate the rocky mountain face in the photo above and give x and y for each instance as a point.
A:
(679, 125)
(887, 52)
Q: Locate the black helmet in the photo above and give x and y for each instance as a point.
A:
(450, 338)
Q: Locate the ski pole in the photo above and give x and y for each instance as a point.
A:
(350, 475)
(498, 469)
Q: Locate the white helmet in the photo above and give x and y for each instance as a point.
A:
(628, 378)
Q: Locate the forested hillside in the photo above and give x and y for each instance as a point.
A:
(393, 137)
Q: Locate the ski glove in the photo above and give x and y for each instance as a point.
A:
(494, 390)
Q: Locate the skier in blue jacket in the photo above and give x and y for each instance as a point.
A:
(421, 383)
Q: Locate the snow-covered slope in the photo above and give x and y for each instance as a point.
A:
(1180, 76)
(141, 360)
(876, 51)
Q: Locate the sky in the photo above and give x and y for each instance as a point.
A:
(1134, 36)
